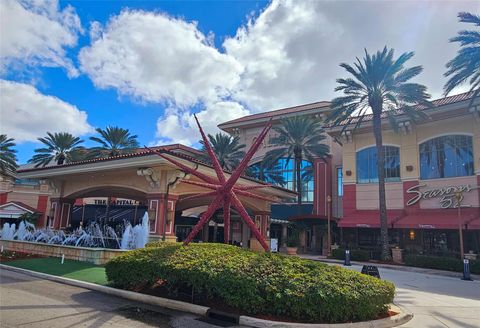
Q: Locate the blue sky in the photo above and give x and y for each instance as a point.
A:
(106, 107)
(149, 65)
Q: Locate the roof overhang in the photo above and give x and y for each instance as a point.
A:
(144, 160)
(435, 113)
(320, 108)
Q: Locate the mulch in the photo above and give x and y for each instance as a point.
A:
(7, 256)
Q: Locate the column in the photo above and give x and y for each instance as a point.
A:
(322, 185)
(61, 209)
(42, 208)
(262, 222)
(161, 213)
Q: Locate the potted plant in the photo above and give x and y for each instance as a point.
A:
(292, 243)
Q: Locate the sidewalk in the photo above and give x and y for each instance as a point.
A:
(321, 258)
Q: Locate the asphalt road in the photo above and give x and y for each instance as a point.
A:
(436, 301)
(26, 301)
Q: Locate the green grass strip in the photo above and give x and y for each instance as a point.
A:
(69, 269)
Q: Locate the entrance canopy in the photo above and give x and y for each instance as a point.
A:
(369, 219)
(444, 219)
(144, 177)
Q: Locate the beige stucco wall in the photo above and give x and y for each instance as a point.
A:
(409, 156)
(26, 194)
(248, 134)
(367, 196)
(409, 144)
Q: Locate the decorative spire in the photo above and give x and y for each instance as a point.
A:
(225, 191)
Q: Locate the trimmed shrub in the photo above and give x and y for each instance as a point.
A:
(440, 263)
(355, 254)
(256, 282)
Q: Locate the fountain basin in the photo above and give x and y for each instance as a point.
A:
(98, 256)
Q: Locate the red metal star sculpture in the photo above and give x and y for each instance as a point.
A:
(225, 191)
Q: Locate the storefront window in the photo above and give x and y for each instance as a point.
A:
(446, 157)
(367, 164)
(282, 174)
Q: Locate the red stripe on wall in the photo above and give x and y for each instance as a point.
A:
(408, 196)
(349, 199)
(42, 207)
(3, 198)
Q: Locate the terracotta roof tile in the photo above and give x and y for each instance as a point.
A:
(168, 149)
(278, 112)
(23, 205)
(437, 103)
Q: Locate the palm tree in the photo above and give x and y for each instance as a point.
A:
(228, 150)
(300, 138)
(114, 141)
(466, 64)
(8, 159)
(60, 148)
(270, 174)
(379, 84)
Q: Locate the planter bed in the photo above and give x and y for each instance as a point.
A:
(264, 285)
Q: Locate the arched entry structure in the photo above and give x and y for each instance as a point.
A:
(141, 176)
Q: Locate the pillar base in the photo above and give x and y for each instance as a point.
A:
(256, 246)
(168, 238)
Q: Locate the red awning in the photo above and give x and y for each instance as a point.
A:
(368, 219)
(444, 219)
(474, 224)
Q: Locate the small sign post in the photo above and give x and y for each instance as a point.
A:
(466, 270)
(274, 245)
(347, 258)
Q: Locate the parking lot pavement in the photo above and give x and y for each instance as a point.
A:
(26, 301)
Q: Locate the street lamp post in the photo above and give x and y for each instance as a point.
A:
(459, 198)
(329, 215)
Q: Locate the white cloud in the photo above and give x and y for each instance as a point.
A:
(180, 126)
(27, 114)
(292, 50)
(156, 58)
(289, 54)
(36, 33)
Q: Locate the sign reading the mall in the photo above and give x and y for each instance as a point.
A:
(446, 194)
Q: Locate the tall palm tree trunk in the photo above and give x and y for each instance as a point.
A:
(377, 131)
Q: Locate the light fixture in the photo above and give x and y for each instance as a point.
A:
(412, 234)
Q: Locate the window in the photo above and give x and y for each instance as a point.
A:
(27, 182)
(367, 164)
(339, 181)
(283, 174)
(446, 157)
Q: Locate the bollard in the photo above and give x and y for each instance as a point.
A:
(347, 258)
(63, 258)
(466, 270)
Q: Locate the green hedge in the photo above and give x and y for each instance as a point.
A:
(256, 282)
(355, 254)
(440, 263)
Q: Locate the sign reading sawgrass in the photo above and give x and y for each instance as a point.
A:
(255, 283)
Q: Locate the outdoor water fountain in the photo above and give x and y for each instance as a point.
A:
(93, 235)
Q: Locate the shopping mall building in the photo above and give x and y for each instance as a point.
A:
(426, 162)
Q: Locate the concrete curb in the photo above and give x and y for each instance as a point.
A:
(148, 299)
(396, 320)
